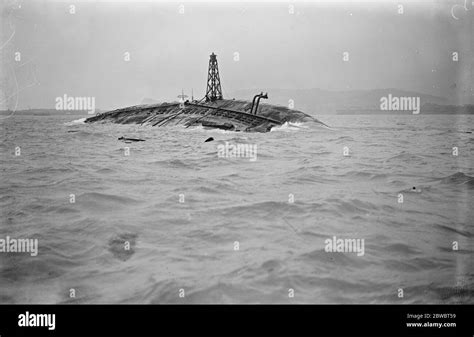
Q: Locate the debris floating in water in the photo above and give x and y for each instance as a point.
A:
(131, 139)
(210, 139)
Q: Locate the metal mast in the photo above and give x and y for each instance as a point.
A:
(213, 91)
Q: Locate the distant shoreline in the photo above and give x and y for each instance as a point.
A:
(46, 112)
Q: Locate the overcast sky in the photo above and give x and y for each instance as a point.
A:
(83, 54)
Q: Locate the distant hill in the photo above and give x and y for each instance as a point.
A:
(319, 101)
(448, 109)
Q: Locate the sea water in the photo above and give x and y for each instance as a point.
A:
(169, 220)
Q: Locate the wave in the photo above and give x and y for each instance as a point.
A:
(76, 122)
(455, 230)
(353, 206)
(76, 133)
(288, 127)
(364, 175)
(174, 163)
(263, 209)
(458, 178)
(404, 156)
(101, 201)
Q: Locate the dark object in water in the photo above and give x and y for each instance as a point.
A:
(131, 139)
(210, 139)
(122, 246)
(414, 189)
(73, 131)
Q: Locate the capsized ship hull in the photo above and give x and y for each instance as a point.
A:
(233, 115)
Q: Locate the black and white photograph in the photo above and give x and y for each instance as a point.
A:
(288, 153)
